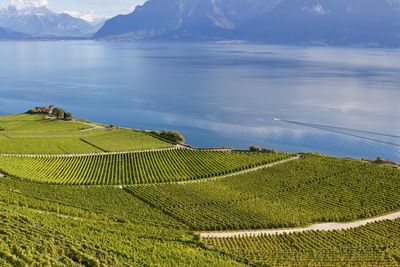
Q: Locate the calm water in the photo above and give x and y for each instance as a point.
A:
(335, 100)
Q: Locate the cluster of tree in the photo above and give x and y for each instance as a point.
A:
(171, 136)
(52, 112)
(256, 148)
(60, 114)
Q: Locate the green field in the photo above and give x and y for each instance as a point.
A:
(32, 134)
(133, 168)
(301, 192)
(376, 244)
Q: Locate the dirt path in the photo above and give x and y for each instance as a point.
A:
(93, 125)
(314, 227)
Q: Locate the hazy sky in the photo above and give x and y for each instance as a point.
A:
(86, 8)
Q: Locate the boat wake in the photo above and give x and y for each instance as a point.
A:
(354, 133)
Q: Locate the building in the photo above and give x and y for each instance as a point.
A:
(45, 110)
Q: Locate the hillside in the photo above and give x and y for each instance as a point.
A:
(130, 206)
(332, 22)
(33, 134)
(7, 34)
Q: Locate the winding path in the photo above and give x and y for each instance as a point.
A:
(314, 227)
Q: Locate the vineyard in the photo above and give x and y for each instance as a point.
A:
(31, 134)
(133, 168)
(376, 244)
(72, 226)
(310, 190)
(123, 140)
(97, 203)
(76, 194)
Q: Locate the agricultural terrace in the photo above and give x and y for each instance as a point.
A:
(376, 244)
(75, 226)
(134, 168)
(33, 134)
(310, 190)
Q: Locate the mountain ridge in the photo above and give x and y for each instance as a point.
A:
(42, 22)
(331, 22)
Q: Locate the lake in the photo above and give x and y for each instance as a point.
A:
(339, 101)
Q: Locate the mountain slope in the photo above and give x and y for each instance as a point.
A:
(327, 21)
(42, 22)
(184, 19)
(336, 22)
(7, 34)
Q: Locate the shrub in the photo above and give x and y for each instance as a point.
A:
(269, 150)
(172, 136)
(254, 148)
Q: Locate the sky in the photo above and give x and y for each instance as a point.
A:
(86, 9)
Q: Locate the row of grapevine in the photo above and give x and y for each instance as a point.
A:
(133, 168)
(32, 236)
(310, 190)
(376, 244)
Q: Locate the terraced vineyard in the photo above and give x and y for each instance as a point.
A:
(376, 244)
(310, 190)
(72, 226)
(32, 134)
(123, 140)
(133, 168)
(144, 207)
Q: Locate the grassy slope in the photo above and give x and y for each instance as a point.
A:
(31, 134)
(314, 189)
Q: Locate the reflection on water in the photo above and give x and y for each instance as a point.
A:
(218, 95)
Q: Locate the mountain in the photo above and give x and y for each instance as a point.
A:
(42, 22)
(6, 34)
(184, 19)
(335, 22)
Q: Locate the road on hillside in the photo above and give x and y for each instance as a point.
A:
(314, 227)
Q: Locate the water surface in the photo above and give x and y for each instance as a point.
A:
(340, 101)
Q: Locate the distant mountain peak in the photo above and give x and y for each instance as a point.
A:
(37, 20)
(316, 9)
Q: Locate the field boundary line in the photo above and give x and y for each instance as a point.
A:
(324, 227)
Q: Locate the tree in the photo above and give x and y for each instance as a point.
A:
(269, 150)
(58, 113)
(175, 137)
(379, 160)
(255, 148)
(1, 129)
(68, 116)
